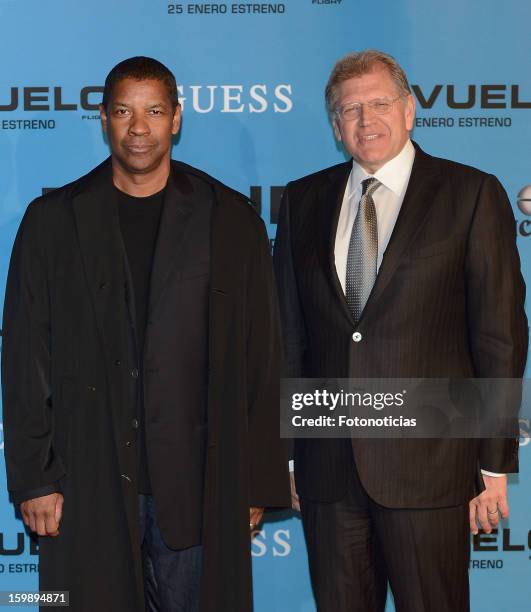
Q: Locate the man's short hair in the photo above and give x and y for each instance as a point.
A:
(359, 63)
(140, 68)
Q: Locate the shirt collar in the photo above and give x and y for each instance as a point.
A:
(394, 174)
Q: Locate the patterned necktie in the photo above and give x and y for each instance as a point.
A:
(362, 251)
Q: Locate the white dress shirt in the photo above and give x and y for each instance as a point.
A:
(388, 198)
(394, 178)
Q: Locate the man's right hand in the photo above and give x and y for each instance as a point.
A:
(43, 514)
(295, 503)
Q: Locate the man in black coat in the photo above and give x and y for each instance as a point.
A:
(140, 371)
(396, 264)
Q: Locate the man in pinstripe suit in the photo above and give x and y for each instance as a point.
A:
(396, 264)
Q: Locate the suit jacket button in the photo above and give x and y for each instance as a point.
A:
(357, 337)
(134, 424)
(134, 373)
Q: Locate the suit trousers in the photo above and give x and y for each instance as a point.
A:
(171, 577)
(356, 547)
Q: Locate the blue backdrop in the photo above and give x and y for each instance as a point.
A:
(251, 77)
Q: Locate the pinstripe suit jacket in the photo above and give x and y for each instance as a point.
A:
(448, 302)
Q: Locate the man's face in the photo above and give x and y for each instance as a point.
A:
(374, 139)
(139, 122)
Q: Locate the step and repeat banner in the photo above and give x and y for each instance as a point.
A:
(251, 77)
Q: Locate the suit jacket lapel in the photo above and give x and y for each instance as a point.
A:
(423, 184)
(174, 222)
(333, 198)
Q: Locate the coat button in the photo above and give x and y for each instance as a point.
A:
(134, 373)
(357, 337)
(117, 362)
(91, 388)
(103, 286)
(134, 424)
(128, 443)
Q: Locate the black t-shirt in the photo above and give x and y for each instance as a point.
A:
(139, 224)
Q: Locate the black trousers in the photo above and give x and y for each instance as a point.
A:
(355, 547)
(172, 578)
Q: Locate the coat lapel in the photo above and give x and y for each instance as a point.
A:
(174, 223)
(96, 217)
(333, 198)
(423, 184)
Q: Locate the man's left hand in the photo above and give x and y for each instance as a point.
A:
(486, 508)
(255, 516)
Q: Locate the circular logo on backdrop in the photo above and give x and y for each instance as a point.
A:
(523, 199)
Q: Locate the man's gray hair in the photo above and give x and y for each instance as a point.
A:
(359, 63)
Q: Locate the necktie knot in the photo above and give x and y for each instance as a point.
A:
(369, 186)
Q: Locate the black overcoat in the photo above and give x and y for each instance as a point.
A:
(67, 413)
